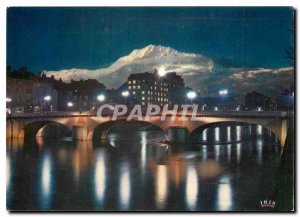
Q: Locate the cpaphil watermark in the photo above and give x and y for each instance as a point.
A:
(113, 112)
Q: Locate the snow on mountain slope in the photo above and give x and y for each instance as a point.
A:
(141, 60)
(199, 72)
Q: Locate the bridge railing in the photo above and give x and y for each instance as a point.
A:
(199, 114)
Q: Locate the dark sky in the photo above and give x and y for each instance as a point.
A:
(90, 38)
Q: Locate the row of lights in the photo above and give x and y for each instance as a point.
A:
(46, 98)
(190, 95)
(101, 97)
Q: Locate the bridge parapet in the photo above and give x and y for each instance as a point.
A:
(257, 114)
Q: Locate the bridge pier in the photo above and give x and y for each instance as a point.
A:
(14, 129)
(79, 133)
(177, 134)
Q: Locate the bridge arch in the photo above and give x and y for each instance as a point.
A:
(251, 127)
(44, 128)
(100, 132)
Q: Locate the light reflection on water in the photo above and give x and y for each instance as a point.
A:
(228, 133)
(204, 135)
(138, 173)
(217, 134)
(8, 172)
(238, 133)
(100, 177)
(161, 183)
(125, 186)
(224, 195)
(191, 192)
(46, 182)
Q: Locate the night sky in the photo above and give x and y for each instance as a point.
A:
(90, 38)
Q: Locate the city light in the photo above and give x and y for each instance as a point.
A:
(70, 104)
(125, 93)
(191, 95)
(259, 109)
(223, 92)
(101, 98)
(47, 98)
(162, 71)
(216, 108)
(8, 99)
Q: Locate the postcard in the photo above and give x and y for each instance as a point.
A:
(150, 109)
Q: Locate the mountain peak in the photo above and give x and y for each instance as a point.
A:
(154, 51)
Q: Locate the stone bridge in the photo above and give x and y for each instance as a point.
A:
(83, 126)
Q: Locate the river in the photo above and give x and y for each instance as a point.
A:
(229, 168)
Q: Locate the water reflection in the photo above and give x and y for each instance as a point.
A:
(224, 195)
(238, 152)
(81, 158)
(143, 150)
(111, 139)
(8, 173)
(204, 152)
(259, 149)
(9, 180)
(238, 133)
(217, 134)
(229, 153)
(228, 133)
(46, 181)
(161, 191)
(191, 191)
(140, 173)
(100, 177)
(259, 130)
(125, 186)
(204, 135)
(217, 152)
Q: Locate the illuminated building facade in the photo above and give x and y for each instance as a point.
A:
(150, 88)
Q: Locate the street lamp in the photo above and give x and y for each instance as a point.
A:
(47, 99)
(191, 95)
(125, 94)
(8, 99)
(70, 105)
(223, 92)
(101, 98)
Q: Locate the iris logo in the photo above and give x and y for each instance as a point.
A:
(267, 203)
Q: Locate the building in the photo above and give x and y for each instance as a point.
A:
(219, 103)
(114, 96)
(150, 88)
(285, 101)
(64, 94)
(85, 93)
(257, 101)
(77, 95)
(27, 95)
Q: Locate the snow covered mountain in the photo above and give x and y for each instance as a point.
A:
(199, 72)
(141, 60)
